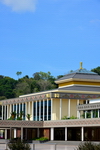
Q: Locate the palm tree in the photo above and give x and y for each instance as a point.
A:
(18, 73)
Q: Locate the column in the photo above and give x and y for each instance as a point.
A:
(82, 134)
(7, 111)
(19, 109)
(52, 134)
(51, 109)
(78, 110)
(98, 113)
(29, 108)
(36, 111)
(85, 114)
(2, 112)
(16, 110)
(60, 108)
(69, 108)
(47, 109)
(91, 113)
(65, 133)
(43, 109)
(39, 110)
(10, 110)
(26, 111)
(13, 108)
(21, 133)
(14, 133)
(5, 134)
(32, 111)
(23, 111)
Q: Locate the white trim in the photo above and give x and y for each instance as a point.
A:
(82, 134)
(65, 133)
(52, 134)
(39, 93)
(79, 85)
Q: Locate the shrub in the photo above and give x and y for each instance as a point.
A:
(88, 146)
(18, 144)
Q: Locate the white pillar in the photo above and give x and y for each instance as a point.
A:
(19, 109)
(43, 109)
(23, 110)
(13, 108)
(65, 133)
(21, 133)
(51, 109)
(69, 108)
(14, 133)
(52, 134)
(32, 111)
(10, 110)
(39, 110)
(5, 134)
(60, 108)
(98, 113)
(7, 111)
(82, 134)
(91, 113)
(26, 111)
(78, 115)
(36, 112)
(47, 109)
(2, 112)
(29, 108)
(16, 110)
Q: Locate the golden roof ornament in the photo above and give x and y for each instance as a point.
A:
(81, 63)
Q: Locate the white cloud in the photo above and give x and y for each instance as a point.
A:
(21, 5)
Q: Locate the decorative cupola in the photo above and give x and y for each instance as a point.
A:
(80, 77)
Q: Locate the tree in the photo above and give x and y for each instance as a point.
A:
(96, 70)
(18, 73)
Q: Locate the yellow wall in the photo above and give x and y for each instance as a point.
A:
(56, 108)
(79, 82)
(73, 109)
(64, 107)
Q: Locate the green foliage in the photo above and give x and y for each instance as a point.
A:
(18, 144)
(41, 81)
(88, 146)
(66, 117)
(96, 70)
(41, 139)
(28, 116)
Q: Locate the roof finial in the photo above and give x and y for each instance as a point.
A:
(81, 63)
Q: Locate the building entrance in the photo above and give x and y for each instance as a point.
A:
(74, 134)
(59, 133)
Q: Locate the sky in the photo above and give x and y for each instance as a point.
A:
(48, 35)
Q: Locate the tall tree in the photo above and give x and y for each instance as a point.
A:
(18, 73)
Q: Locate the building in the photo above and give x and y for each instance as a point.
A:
(77, 96)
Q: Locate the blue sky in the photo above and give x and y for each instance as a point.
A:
(48, 35)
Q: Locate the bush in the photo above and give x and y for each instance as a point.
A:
(18, 144)
(88, 146)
